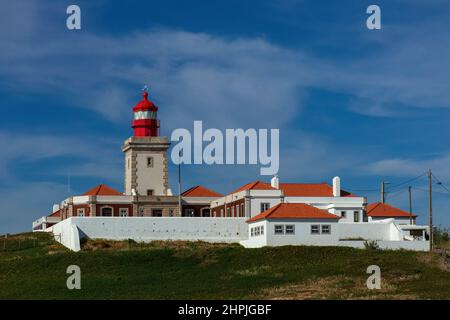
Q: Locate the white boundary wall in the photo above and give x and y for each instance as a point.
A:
(146, 229)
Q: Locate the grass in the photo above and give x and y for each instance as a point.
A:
(197, 270)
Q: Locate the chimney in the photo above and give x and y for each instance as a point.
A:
(336, 187)
(275, 182)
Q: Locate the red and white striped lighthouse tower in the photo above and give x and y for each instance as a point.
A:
(145, 121)
(146, 162)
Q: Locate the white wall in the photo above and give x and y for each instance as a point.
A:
(257, 241)
(391, 245)
(386, 234)
(67, 233)
(255, 204)
(145, 229)
(398, 220)
(150, 177)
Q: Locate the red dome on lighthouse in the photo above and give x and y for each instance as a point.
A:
(145, 104)
(145, 122)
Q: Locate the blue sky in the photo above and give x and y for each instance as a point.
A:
(364, 105)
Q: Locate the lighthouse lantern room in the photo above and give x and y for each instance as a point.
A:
(145, 122)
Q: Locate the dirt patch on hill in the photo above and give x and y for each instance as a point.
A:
(334, 287)
(439, 260)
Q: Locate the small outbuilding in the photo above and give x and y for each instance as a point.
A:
(292, 224)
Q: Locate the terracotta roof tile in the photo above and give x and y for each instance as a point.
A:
(255, 185)
(379, 209)
(56, 214)
(102, 190)
(310, 190)
(200, 191)
(293, 211)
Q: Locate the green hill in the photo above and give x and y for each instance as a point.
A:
(33, 266)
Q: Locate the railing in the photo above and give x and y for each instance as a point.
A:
(15, 244)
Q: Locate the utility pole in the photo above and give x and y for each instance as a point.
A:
(179, 183)
(383, 190)
(410, 205)
(430, 206)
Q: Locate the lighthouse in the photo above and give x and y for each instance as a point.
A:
(146, 163)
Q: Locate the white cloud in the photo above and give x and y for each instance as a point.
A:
(404, 167)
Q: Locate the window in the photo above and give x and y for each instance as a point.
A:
(221, 212)
(326, 229)
(228, 211)
(128, 163)
(290, 229)
(265, 206)
(149, 162)
(315, 229)
(157, 213)
(262, 230)
(150, 192)
(343, 214)
(279, 229)
(242, 210)
(141, 212)
(171, 212)
(356, 216)
(252, 231)
(141, 115)
(80, 212)
(123, 212)
(189, 212)
(365, 217)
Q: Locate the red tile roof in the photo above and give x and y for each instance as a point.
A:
(255, 185)
(379, 209)
(293, 211)
(200, 191)
(102, 190)
(56, 214)
(310, 190)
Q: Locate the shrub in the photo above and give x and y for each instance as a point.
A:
(440, 235)
(371, 245)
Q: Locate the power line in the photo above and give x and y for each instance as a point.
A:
(407, 181)
(439, 182)
(395, 194)
(444, 193)
(368, 189)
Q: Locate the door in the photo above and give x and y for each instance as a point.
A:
(157, 213)
(107, 212)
